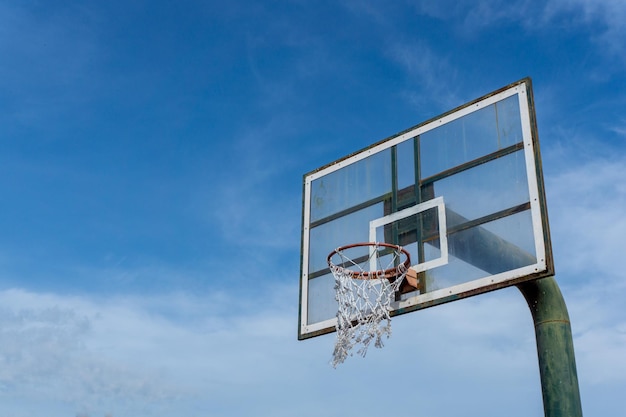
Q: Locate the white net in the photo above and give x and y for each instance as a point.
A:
(364, 298)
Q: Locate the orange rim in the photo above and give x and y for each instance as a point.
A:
(381, 273)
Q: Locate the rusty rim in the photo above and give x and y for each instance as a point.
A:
(389, 274)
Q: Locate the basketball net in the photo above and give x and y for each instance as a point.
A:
(364, 298)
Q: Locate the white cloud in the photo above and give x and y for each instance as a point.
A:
(160, 355)
(203, 354)
(125, 356)
(586, 198)
(64, 350)
(589, 229)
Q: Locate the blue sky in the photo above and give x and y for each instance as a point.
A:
(151, 163)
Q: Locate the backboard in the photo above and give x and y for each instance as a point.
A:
(462, 193)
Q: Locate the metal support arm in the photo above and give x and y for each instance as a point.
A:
(555, 348)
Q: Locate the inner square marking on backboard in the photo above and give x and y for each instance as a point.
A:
(411, 211)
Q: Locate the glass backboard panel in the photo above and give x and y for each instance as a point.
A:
(479, 133)
(486, 188)
(462, 193)
(351, 185)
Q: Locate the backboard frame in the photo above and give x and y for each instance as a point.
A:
(544, 265)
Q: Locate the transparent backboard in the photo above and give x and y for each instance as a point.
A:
(463, 193)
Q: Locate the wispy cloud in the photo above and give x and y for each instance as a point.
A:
(125, 356)
(248, 205)
(160, 356)
(619, 128)
(588, 200)
(602, 20)
(605, 17)
(54, 348)
(430, 73)
(183, 353)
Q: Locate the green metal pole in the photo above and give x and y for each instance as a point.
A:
(555, 348)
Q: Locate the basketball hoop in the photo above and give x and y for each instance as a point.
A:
(366, 282)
